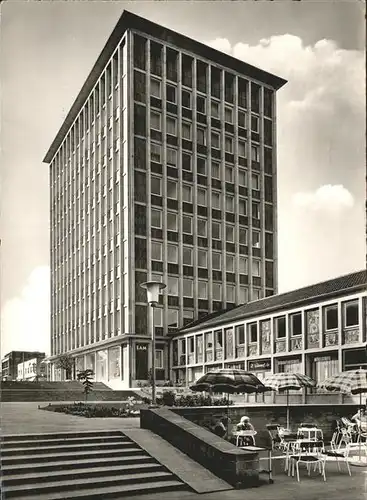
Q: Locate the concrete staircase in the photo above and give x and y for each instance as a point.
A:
(83, 465)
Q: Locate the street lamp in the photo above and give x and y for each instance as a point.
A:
(153, 288)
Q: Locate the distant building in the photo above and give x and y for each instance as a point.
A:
(9, 364)
(164, 169)
(32, 369)
(317, 330)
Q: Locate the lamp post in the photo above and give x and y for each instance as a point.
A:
(153, 288)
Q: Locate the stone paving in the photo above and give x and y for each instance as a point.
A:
(20, 418)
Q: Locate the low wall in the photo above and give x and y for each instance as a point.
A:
(234, 465)
(324, 416)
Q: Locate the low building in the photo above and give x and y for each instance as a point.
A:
(317, 330)
(32, 369)
(9, 364)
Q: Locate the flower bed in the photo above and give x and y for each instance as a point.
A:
(94, 410)
(169, 398)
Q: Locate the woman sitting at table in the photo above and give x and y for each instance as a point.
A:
(245, 425)
(361, 419)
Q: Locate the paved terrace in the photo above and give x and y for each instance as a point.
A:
(20, 418)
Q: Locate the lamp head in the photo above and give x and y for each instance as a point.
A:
(153, 289)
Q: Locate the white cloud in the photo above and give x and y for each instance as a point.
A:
(25, 319)
(327, 197)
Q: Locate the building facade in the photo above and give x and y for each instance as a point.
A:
(9, 364)
(32, 369)
(318, 330)
(164, 169)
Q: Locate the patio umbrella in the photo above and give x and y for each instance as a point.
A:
(348, 382)
(229, 381)
(287, 382)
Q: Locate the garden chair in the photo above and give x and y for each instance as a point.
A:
(273, 431)
(337, 454)
(309, 453)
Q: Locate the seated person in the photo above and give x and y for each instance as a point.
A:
(245, 425)
(221, 426)
(361, 419)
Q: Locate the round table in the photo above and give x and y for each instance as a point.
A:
(249, 433)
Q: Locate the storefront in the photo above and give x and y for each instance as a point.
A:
(355, 358)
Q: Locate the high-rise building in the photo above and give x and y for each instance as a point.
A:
(164, 169)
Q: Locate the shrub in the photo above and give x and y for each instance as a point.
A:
(168, 398)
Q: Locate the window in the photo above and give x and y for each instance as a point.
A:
(242, 119)
(217, 261)
(201, 104)
(255, 268)
(171, 221)
(218, 336)
(242, 206)
(243, 296)
(172, 254)
(186, 99)
(188, 317)
(156, 218)
(243, 265)
(172, 286)
(254, 123)
(155, 120)
(216, 230)
(216, 200)
(228, 115)
(230, 233)
(216, 170)
(242, 177)
(202, 227)
(255, 153)
(186, 193)
(351, 313)
(188, 286)
(155, 152)
(230, 263)
(256, 239)
(280, 327)
(202, 258)
(172, 189)
(215, 109)
(171, 157)
(228, 144)
(252, 333)
(155, 88)
(187, 224)
(186, 130)
(229, 203)
(187, 256)
(256, 294)
(201, 165)
(255, 181)
(202, 290)
(215, 140)
(186, 161)
(202, 197)
(156, 250)
(229, 173)
(172, 319)
(331, 317)
(242, 149)
(201, 135)
(171, 93)
(255, 210)
(217, 291)
(240, 334)
(296, 324)
(171, 125)
(231, 293)
(156, 185)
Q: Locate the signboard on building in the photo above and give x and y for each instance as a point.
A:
(141, 362)
(261, 365)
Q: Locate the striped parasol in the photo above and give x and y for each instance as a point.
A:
(288, 382)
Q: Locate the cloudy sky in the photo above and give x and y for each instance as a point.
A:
(48, 49)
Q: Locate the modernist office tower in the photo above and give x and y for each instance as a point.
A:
(164, 169)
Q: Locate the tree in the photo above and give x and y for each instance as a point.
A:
(85, 377)
(67, 363)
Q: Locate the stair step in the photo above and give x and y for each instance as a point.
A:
(85, 473)
(60, 435)
(62, 440)
(81, 463)
(121, 443)
(123, 490)
(52, 486)
(45, 457)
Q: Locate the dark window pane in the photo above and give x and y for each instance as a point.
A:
(171, 63)
(139, 52)
(229, 83)
(215, 82)
(268, 188)
(269, 217)
(268, 103)
(255, 98)
(140, 187)
(268, 132)
(141, 327)
(140, 253)
(155, 58)
(186, 70)
(269, 274)
(140, 153)
(269, 246)
(242, 93)
(140, 120)
(201, 69)
(139, 86)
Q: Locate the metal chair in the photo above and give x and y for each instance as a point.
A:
(336, 453)
(309, 453)
(273, 431)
